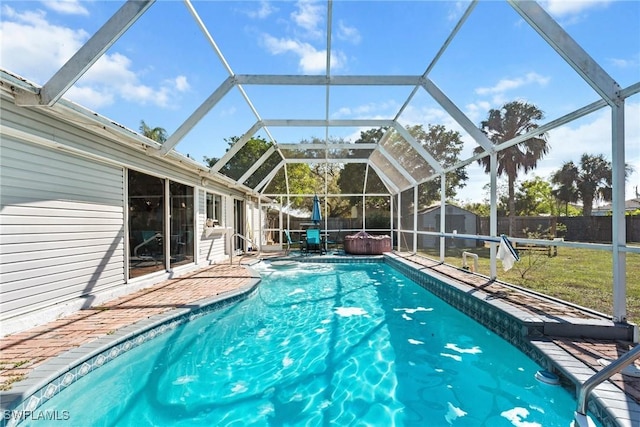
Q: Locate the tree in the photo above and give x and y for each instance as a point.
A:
(444, 146)
(352, 177)
(478, 208)
(590, 181)
(249, 154)
(241, 161)
(534, 198)
(157, 134)
(513, 119)
(351, 180)
(564, 180)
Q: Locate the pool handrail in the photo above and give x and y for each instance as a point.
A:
(600, 376)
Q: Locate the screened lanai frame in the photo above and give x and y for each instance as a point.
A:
(388, 161)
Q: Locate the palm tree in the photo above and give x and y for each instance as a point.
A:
(513, 119)
(589, 182)
(565, 179)
(157, 134)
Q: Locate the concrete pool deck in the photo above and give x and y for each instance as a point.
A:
(22, 352)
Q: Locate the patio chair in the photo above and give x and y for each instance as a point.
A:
(314, 243)
(290, 242)
(332, 241)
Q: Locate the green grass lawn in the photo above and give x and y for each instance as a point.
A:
(580, 276)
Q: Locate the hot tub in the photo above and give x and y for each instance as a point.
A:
(363, 243)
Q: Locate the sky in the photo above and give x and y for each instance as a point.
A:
(164, 67)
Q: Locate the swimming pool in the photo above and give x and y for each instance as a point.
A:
(321, 344)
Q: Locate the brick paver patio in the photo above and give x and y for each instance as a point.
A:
(21, 352)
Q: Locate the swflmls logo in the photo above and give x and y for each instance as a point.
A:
(36, 415)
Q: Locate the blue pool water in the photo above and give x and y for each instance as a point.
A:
(319, 345)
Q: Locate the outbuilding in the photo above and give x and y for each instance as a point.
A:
(458, 220)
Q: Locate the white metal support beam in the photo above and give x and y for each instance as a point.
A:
(457, 115)
(257, 164)
(320, 80)
(391, 219)
(415, 219)
(443, 218)
(493, 212)
(324, 123)
(588, 109)
(618, 216)
(323, 146)
(226, 65)
(92, 50)
(397, 165)
(309, 160)
(436, 58)
(236, 147)
(364, 187)
(390, 186)
(569, 50)
(197, 115)
(267, 179)
(418, 147)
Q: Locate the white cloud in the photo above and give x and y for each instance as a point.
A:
(350, 34)
(311, 60)
(67, 7)
(181, 83)
(373, 110)
(35, 49)
(265, 9)
(505, 85)
(309, 16)
(91, 97)
(626, 63)
(477, 111)
(561, 8)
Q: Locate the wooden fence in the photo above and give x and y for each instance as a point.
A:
(578, 228)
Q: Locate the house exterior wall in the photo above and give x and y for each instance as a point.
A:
(62, 236)
(253, 224)
(63, 222)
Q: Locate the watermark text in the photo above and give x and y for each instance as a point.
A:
(38, 415)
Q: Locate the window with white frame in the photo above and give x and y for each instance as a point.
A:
(214, 209)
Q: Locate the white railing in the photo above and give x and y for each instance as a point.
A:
(475, 261)
(603, 375)
(233, 244)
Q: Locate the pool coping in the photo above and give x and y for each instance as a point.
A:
(611, 405)
(54, 375)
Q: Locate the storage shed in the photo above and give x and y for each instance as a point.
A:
(459, 221)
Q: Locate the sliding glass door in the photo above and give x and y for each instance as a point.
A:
(181, 223)
(146, 223)
(153, 236)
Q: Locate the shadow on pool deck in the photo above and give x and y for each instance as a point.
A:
(21, 352)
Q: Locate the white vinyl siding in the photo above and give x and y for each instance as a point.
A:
(253, 220)
(61, 230)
